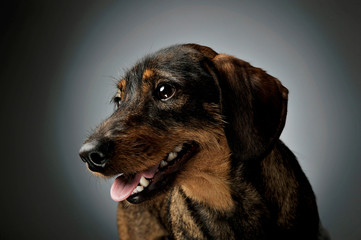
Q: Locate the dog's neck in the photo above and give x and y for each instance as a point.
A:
(206, 178)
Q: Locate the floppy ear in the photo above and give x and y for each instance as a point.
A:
(254, 105)
(206, 51)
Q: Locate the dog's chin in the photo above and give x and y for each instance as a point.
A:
(144, 186)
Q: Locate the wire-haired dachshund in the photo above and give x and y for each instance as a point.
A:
(194, 146)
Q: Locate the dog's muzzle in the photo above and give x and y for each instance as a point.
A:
(96, 154)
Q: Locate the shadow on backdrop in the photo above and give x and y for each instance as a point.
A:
(59, 61)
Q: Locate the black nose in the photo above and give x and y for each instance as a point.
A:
(96, 154)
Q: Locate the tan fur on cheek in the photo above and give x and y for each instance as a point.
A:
(206, 176)
(141, 148)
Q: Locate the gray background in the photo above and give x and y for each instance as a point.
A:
(58, 65)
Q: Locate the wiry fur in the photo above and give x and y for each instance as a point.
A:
(242, 183)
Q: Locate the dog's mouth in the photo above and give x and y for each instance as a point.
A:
(142, 186)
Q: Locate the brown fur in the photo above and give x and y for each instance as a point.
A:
(148, 73)
(181, 217)
(205, 178)
(141, 223)
(241, 182)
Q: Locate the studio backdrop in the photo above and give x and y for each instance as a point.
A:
(61, 61)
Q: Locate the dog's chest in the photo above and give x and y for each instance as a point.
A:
(191, 220)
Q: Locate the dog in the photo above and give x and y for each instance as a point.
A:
(194, 147)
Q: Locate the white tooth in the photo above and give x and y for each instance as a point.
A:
(163, 163)
(139, 188)
(144, 182)
(178, 149)
(134, 191)
(172, 156)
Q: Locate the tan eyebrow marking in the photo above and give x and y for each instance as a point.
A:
(121, 84)
(121, 88)
(147, 73)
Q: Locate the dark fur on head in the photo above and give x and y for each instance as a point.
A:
(233, 178)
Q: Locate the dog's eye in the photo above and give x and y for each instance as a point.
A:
(117, 101)
(165, 91)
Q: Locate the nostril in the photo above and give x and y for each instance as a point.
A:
(97, 158)
(96, 153)
(83, 158)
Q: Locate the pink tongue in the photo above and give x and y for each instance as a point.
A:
(121, 188)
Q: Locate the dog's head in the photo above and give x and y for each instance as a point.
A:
(176, 111)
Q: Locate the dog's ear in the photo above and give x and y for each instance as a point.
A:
(254, 105)
(206, 51)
